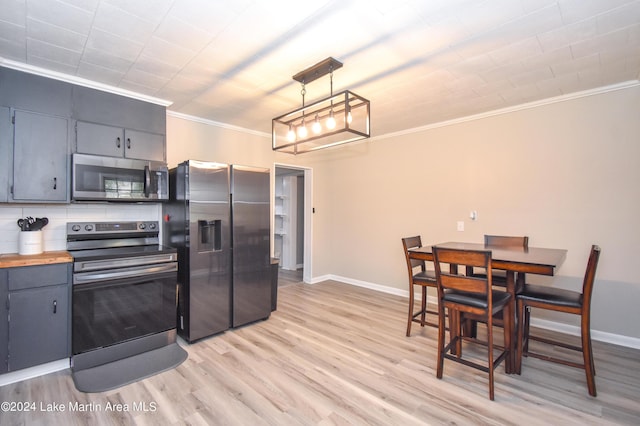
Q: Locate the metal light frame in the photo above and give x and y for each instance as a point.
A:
(350, 112)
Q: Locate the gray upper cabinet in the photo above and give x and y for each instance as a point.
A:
(118, 126)
(143, 145)
(35, 118)
(100, 139)
(40, 157)
(6, 141)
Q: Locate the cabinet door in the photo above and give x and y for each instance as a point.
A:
(40, 156)
(38, 326)
(143, 145)
(98, 139)
(4, 322)
(6, 139)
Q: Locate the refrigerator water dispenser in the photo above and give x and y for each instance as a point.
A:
(209, 235)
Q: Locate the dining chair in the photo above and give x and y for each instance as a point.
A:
(502, 241)
(418, 276)
(560, 300)
(467, 297)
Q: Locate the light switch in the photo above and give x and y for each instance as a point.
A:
(460, 225)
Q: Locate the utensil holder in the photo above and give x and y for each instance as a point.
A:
(30, 242)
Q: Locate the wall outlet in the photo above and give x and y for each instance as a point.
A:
(460, 225)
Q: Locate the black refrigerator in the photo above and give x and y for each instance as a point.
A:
(217, 217)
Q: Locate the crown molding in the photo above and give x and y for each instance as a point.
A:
(217, 124)
(529, 105)
(31, 69)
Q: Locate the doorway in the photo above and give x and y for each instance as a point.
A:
(292, 220)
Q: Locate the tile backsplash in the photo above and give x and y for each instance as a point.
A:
(55, 233)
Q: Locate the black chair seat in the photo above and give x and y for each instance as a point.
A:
(500, 298)
(551, 296)
(426, 276)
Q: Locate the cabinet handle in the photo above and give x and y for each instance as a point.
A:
(55, 183)
(55, 306)
(128, 143)
(118, 142)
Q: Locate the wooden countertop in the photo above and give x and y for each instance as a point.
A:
(12, 260)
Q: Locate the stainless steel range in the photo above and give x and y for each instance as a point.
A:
(124, 291)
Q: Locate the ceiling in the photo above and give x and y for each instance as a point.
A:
(419, 62)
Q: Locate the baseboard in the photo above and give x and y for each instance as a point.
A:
(601, 336)
(31, 372)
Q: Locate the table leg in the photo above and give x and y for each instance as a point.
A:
(511, 289)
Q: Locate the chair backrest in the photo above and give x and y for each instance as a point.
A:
(589, 276)
(470, 258)
(409, 243)
(505, 241)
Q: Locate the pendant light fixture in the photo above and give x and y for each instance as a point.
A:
(334, 120)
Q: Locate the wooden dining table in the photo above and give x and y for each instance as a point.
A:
(530, 260)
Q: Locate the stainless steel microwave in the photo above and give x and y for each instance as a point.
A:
(98, 178)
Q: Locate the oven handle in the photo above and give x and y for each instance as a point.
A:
(92, 265)
(127, 273)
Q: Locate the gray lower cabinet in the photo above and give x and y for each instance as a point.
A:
(40, 157)
(100, 139)
(39, 315)
(4, 323)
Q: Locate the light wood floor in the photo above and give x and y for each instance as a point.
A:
(337, 354)
(286, 277)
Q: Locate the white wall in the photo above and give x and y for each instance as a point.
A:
(197, 140)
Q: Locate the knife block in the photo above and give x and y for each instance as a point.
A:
(30, 242)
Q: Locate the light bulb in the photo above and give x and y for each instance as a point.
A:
(316, 127)
(291, 135)
(349, 117)
(331, 122)
(302, 131)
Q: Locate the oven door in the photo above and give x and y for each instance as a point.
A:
(107, 312)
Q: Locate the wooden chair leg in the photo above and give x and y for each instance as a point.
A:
(441, 339)
(455, 331)
(490, 357)
(410, 310)
(587, 354)
(423, 306)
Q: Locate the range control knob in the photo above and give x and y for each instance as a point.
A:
(75, 228)
(88, 228)
(152, 225)
(142, 226)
